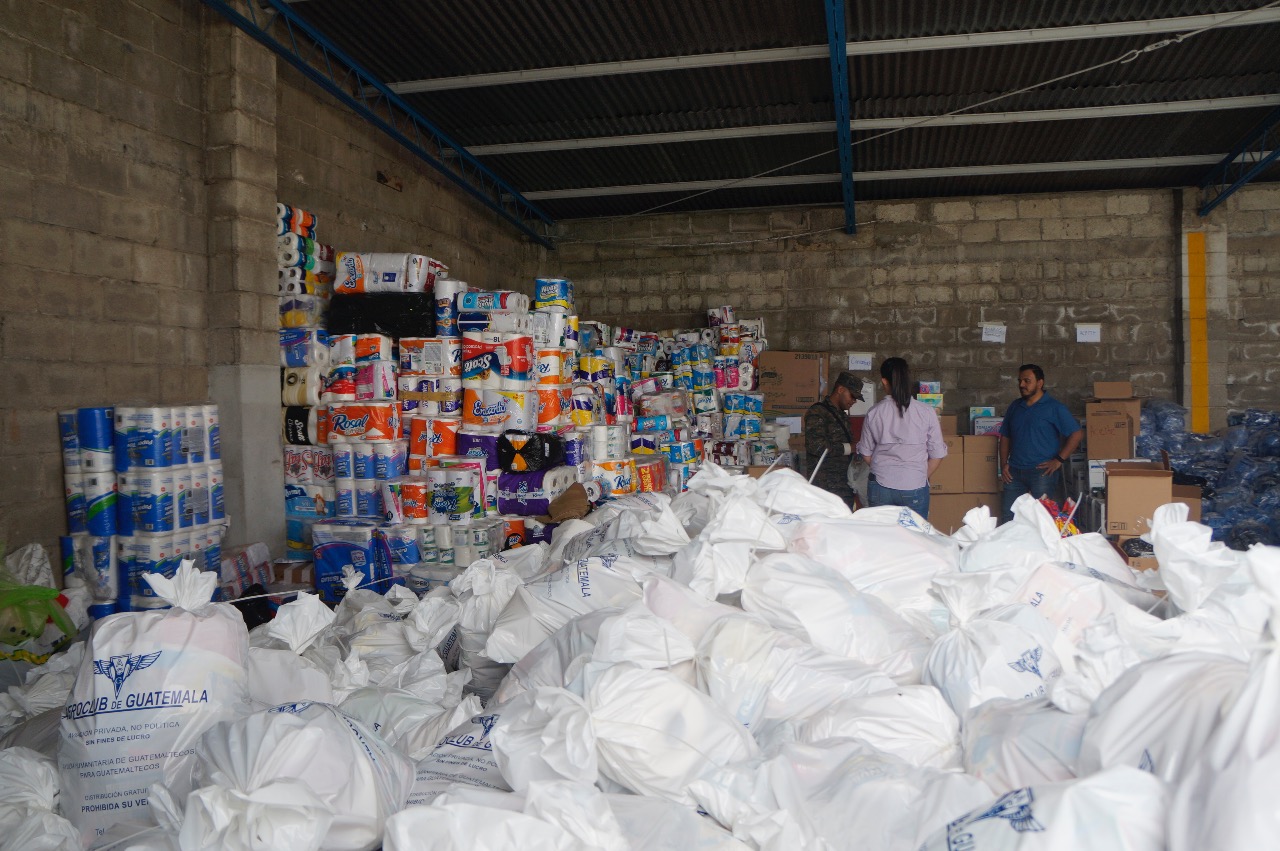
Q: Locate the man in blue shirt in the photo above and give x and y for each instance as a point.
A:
(1036, 437)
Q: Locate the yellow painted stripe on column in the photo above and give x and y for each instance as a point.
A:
(1198, 331)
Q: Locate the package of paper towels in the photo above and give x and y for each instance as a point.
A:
(383, 273)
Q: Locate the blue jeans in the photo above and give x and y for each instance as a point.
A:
(917, 500)
(1029, 480)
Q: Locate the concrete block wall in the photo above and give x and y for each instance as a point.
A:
(103, 227)
(917, 281)
(328, 162)
(1249, 333)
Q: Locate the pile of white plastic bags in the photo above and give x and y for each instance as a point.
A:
(745, 666)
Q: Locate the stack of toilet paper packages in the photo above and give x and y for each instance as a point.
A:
(144, 490)
(304, 267)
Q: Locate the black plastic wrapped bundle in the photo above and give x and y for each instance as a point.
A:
(393, 314)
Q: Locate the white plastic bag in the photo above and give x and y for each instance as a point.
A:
(483, 591)
(644, 519)
(655, 734)
(1227, 796)
(150, 685)
(464, 755)
(784, 491)
(1006, 653)
(894, 562)
(545, 735)
(716, 561)
(28, 798)
(299, 776)
(540, 607)
(1122, 809)
(913, 723)
(1009, 744)
(762, 676)
(821, 796)
(816, 604)
(1158, 715)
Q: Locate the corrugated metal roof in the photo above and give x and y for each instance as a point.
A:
(406, 40)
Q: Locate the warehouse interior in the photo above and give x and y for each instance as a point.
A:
(971, 186)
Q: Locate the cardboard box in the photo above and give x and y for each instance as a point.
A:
(870, 395)
(1109, 434)
(986, 425)
(949, 477)
(948, 423)
(1132, 408)
(1147, 562)
(976, 411)
(1098, 473)
(1113, 389)
(981, 464)
(946, 511)
(1134, 491)
(792, 381)
(1189, 495)
(755, 471)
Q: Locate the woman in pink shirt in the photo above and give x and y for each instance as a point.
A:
(902, 441)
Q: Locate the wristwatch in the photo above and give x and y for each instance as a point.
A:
(1061, 460)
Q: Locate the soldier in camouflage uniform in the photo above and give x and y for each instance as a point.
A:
(826, 426)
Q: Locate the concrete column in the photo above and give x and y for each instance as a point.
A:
(244, 374)
(1205, 317)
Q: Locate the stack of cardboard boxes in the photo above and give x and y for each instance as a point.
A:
(968, 477)
(1130, 489)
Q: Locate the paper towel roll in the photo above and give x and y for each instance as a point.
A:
(96, 430)
(301, 385)
(100, 502)
(342, 349)
(522, 409)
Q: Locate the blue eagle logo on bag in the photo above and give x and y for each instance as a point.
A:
(1014, 807)
(1029, 662)
(117, 669)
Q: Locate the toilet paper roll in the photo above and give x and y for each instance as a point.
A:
(212, 433)
(618, 474)
(152, 497)
(301, 386)
(290, 257)
(369, 498)
(450, 397)
(122, 427)
(554, 404)
(217, 494)
(390, 459)
(550, 365)
(415, 501)
(517, 360)
(70, 439)
(345, 497)
(363, 460)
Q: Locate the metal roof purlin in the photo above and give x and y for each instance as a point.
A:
(894, 174)
(1256, 152)
(315, 56)
(840, 98)
(997, 38)
(864, 124)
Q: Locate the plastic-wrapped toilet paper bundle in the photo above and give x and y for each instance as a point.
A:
(517, 362)
(304, 245)
(521, 408)
(434, 436)
(342, 349)
(302, 426)
(301, 311)
(531, 494)
(481, 360)
(340, 383)
(554, 295)
(301, 385)
(502, 300)
(372, 347)
(376, 381)
(484, 408)
(303, 347)
(365, 420)
(447, 291)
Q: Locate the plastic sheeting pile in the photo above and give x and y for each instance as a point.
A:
(745, 666)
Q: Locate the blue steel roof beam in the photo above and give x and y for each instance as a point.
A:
(467, 172)
(1251, 157)
(840, 94)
